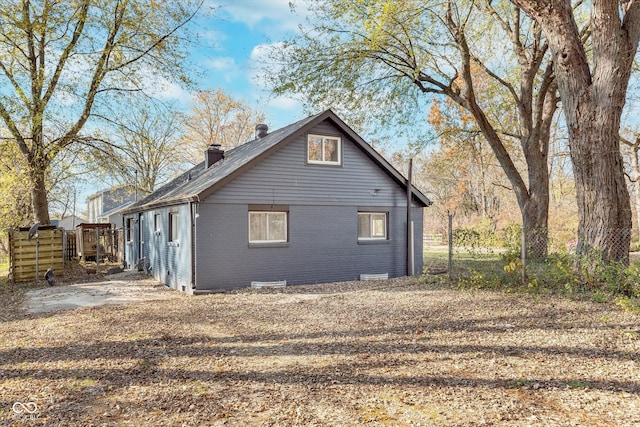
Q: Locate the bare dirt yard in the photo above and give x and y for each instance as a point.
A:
(385, 353)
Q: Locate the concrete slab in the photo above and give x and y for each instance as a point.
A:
(69, 297)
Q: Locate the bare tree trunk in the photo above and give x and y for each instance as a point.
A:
(634, 147)
(38, 166)
(535, 212)
(39, 197)
(636, 177)
(593, 92)
(601, 190)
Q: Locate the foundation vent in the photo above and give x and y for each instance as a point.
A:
(276, 284)
(381, 276)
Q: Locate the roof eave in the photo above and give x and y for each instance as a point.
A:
(388, 167)
(318, 119)
(161, 204)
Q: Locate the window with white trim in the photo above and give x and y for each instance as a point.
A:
(267, 227)
(372, 226)
(157, 223)
(174, 235)
(129, 229)
(324, 150)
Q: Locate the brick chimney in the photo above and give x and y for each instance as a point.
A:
(213, 154)
(261, 130)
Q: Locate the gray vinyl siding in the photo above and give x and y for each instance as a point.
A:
(130, 247)
(323, 247)
(286, 178)
(139, 247)
(168, 262)
(323, 204)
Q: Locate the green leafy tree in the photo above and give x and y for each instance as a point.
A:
(15, 204)
(386, 59)
(62, 62)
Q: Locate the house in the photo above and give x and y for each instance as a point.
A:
(309, 203)
(107, 206)
(68, 222)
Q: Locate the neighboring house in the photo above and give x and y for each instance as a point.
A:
(68, 222)
(309, 203)
(107, 206)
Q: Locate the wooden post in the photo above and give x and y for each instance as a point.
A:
(450, 261)
(37, 256)
(97, 246)
(523, 250)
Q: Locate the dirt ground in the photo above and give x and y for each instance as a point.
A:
(387, 353)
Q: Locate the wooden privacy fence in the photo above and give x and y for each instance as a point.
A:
(31, 257)
(70, 248)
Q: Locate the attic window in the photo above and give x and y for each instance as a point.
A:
(324, 150)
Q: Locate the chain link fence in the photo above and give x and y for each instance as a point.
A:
(536, 258)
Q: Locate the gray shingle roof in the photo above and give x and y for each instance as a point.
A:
(198, 182)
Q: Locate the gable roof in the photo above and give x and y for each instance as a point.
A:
(199, 182)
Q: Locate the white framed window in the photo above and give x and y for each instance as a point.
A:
(372, 225)
(324, 150)
(157, 223)
(129, 229)
(267, 227)
(174, 228)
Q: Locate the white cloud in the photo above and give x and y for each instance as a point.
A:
(260, 67)
(260, 63)
(212, 37)
(225, 65)
(284, 103)
(222, 63)
(161, 88)
(254, 12)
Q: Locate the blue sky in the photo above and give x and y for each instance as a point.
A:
(233, 42)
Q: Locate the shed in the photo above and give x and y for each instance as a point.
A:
(93, 240)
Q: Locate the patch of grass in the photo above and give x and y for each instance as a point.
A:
(632, 305)
(558, 274)
(4, 269)
(4, 275)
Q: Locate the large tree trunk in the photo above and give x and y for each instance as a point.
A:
(38, 166)
(535, 212)
(536, 109)
(593, 90)
(601, 190)
(39, 198)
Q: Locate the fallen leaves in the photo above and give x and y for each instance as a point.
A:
(395, 352)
